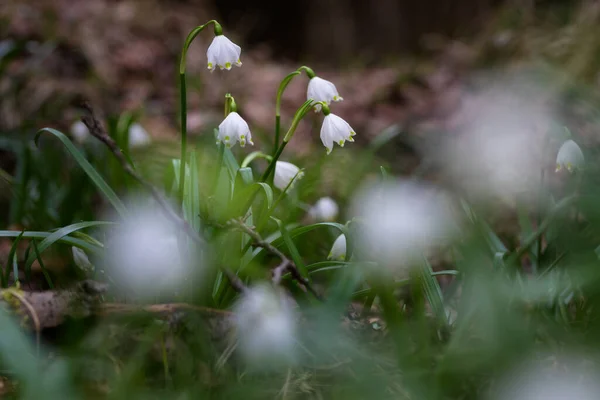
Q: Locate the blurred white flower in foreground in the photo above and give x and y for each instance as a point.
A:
(553, 379)
(285, 172)
(569, 156)
(138, 136)
(497, 141)
(266, 326)
(234, 129)
(335, 130)
(80, 132)
(81, 260)
(322, 90)
(338, 250)
(143, 255)
(223, 53)
(325, 209)
(401, 221)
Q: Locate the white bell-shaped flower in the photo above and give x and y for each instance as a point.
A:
(325, 209)
(223, 53)
(569, 156)
(138, 136)
(402, 220)
(234, 129)
(80, 132)
(338, 250)
(266, 324)
(322, 90)
(335, 130)
(81, 260)
(146, 257)
(286, 174)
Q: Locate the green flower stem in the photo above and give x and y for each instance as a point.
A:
(254, 155)
(183, 97)
(264, 218)
(528, 242)
(282, 86)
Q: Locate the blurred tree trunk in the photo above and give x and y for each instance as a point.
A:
(340, 31)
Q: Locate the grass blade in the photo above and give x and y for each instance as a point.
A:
(100, 183)
(82, 244)
(58, 235)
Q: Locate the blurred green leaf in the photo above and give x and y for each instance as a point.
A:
(108, 193)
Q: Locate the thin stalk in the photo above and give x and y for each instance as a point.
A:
(528, 242)
(183, 99)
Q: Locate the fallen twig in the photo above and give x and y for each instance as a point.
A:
(286, 264)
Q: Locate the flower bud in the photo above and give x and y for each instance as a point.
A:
(338, 250)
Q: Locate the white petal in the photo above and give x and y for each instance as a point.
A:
(569, 156)
(335, 130)
(234, 129)
(138, 136)
(80, 132)
(223, 53)
(338, 250)
(322, 90)
(325, 209)
(284, 173)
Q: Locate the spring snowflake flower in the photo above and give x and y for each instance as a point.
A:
(266, 325)
(144, 255)
(402, 220)
(80, 132)
(223, 53)
(338, 250)
(335, 130)
(81, 260)
(325, 209)
(322, 90)
(138, 136)
(569, 156)
(234, 129)
(285, 172)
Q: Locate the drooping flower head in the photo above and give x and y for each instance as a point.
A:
(569, 156)
(325, 209)
(234, 129)
(322, 90)
(338, 250)
(286, 174)
(223, 53)
(335, 130)
(138, 136)
(266, 325)
(81, 260)
(80, 132)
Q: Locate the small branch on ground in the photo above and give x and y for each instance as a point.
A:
(286, 264)
(97, 130)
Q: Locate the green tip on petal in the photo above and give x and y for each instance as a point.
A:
(228, 65)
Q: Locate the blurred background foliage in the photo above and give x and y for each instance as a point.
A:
(406, 70)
